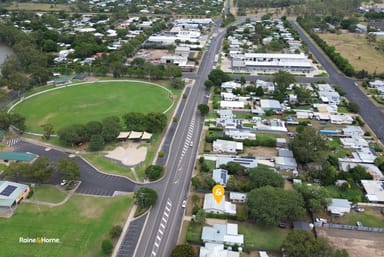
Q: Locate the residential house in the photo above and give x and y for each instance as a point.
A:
(220, 176)
(240, 134)
(216, 250)
(225, 146)
(222, 207)
(222, 234)
(245, 161)
(270, 105)
(285, 163)
(236, 197)
(231, 105)
(374, 190)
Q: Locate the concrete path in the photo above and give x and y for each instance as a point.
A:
(69, 195)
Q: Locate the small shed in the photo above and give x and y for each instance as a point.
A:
(339, 206)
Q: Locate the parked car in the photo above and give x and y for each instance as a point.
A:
(360, 209)
(63, 182)
(359, 224)
(184, 204)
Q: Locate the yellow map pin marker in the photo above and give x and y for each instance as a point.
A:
(218, 193)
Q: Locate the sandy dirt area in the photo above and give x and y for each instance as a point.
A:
(129, 154)
(357, 243)
(261, 151)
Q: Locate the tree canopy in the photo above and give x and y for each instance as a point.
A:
(282, 80)
(183, 251)
(300, 243)
(309, 146)
(145, 197)
(154, 172)
(270, 206)
(263, 176)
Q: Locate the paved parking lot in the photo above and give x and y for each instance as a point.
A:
(92, 181)
(129, 242)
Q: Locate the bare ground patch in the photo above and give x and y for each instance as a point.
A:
(357, 243)
(261, 151)
(357, 50)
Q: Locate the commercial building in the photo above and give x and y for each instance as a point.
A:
(8, 157)
(264, 62)
(12, 193)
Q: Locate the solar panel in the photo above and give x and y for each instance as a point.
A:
(8, 190)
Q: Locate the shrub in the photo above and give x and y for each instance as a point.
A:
(115, 231)
(107, 246)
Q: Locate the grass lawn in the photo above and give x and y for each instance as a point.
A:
(356, 49)
(88, 102)
(262, 238)
(194, 233)
(108, 166)
(81, 224)
(48, 193)
(369, 218)
(353, 194)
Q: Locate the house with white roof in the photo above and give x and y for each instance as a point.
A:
(232, 105)
(223, 207)
(229, 85)
(374, 190)
(270, 105)
(236, 197)
(226, 146)
(352, 131)
(222, 234)
(216, 250)
(240, 134)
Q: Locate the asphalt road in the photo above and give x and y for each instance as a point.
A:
(372, 115)
(92, 181)
(165, 218)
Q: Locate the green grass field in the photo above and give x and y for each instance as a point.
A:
(262, 238)
(369, 218)
(81, 224)
(88, 102)
(105, 165)
(48, 193)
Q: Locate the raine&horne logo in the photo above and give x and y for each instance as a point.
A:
(38, 240)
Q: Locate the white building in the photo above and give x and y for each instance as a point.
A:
(270, 105)
(264, 62)
(374, 190)
(216, 250)
(222, 234)
(339, 207)
(237, 197)
(232, 105)
(223, 207)
(225, 146)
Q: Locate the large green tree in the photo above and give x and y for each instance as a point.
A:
(282, 80)
(154, 172)
(183, 251)
(69, 168)
(145, 197)
(218, 76)
(263, 176)
(300, 243)
(270, 206)
(309, 146)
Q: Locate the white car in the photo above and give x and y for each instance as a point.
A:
(184, 204)
(63, 182)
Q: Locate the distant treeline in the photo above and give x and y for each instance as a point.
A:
(267, 3)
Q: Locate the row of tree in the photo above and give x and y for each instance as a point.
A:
(41, 170)
(341, 62)
(98, 133)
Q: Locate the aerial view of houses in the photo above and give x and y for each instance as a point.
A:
(192, 128)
